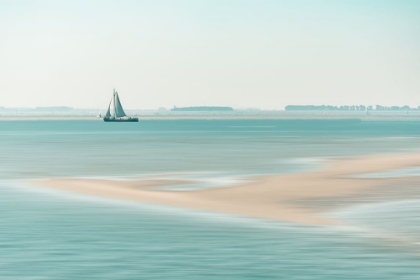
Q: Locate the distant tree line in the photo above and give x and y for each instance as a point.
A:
(392, 108)
(346, 108)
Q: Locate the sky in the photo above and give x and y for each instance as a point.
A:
(246, 54)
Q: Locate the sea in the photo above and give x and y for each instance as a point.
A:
(54, 234)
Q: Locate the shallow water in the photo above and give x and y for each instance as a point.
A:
(49, 234)
(404, 172)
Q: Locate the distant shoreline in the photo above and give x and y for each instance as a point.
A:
(267, 116)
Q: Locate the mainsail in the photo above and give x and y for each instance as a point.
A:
(119, 111)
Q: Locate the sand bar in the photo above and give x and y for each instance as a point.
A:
(300, 198)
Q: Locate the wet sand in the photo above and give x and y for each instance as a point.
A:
(300, 198)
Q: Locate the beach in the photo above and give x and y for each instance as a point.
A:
(285, 197)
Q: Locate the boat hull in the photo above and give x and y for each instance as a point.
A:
(130, 119)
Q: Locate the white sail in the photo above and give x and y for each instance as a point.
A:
(115, 112)
(108, 112)
(119, 111)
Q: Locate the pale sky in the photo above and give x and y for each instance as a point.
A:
(259, 53)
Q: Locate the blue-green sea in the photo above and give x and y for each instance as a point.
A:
(52, 234)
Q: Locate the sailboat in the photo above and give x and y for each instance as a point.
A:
(119, 114)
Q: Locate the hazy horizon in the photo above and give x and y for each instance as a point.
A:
(243, 54)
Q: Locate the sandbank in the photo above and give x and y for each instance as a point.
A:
(300, 198)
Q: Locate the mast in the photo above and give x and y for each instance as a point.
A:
(115, 106)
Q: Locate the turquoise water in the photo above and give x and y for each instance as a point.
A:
(48, 234)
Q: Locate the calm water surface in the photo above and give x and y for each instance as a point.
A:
(46, 234)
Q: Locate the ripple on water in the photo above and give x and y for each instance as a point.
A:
(51, 234)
